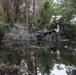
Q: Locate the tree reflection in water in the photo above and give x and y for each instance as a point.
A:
(38, 60)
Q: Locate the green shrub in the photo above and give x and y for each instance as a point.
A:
(3, 27)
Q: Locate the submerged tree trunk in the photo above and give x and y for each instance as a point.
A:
(29, 61)
(35, 66)
(57, 41)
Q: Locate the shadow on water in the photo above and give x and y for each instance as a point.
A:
(38, 60)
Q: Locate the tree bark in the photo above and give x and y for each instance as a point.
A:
(35, 66)
(57, 37)
(27, 12)
(34, 7)
(7, 11)
(16, 9)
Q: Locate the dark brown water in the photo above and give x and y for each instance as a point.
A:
(38, 59)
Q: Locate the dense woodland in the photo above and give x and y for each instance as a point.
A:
(37, 15)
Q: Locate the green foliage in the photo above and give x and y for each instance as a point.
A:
(45, 14)
(44, 62)
(42, 19)
(70, 31)
(66, 8)
(3, 25)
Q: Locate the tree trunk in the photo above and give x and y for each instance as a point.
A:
(16, 9)
(57, 37)
(27, 22)
(58, 40)
(34, 7)
(1, 9)
(15, 13)
(35, 66)
(7, 11)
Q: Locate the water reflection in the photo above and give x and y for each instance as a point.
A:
(39, 60)
(59, 69)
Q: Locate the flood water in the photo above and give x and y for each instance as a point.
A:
(39, 60)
